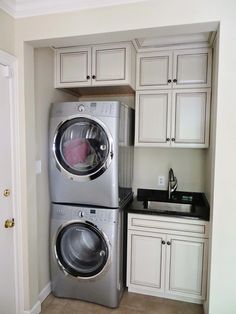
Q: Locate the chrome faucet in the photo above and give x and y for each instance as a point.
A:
(172, 183)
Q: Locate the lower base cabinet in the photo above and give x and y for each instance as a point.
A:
(164, 264)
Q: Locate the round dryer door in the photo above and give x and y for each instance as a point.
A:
(83, 148)
(82, 250)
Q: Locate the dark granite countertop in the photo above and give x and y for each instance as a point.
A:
(200, 207)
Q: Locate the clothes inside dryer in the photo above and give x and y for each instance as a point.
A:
(81, 146)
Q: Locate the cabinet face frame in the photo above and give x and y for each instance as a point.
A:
(138, 120)
(149, 57)
(61, 54)
(192, 52)
(206, 117)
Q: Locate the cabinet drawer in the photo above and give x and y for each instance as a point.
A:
(171, 225)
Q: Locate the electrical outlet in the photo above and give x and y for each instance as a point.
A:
(161, 180)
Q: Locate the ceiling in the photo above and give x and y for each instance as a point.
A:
(25, 8)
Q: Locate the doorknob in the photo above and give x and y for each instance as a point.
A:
(6, 192)
(10, 223)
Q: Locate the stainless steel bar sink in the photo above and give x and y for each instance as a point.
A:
(173, 207)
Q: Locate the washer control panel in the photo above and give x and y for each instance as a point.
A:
(92, 214)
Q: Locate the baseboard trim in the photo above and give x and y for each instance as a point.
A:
(36, 309)
(205, 308)
(45, 292)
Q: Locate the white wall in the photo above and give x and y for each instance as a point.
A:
(210, 153)
(45, 94)
(185, 14)
(7, 38)
(188, 166)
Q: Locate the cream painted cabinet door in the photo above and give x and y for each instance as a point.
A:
(192, 68)
(190, 118)
(146, 260)
(110, 64)
(73, 67)
(186, 262)
(152, 118)
(154, 70)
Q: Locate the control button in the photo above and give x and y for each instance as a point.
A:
(81, 108)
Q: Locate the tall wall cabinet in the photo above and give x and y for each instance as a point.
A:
(173, 98)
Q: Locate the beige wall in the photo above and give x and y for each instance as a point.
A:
(6, 32)
(188, 166)
(135, 17)
(45, 94)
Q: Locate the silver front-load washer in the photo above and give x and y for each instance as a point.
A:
(87, 253)
(84, 151)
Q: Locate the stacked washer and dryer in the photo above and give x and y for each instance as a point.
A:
(91, 165)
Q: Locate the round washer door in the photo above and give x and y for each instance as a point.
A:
(82, 250)
(83, 148)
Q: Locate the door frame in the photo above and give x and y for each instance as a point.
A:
(11, 61)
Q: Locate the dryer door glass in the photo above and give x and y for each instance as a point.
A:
(82, 250)
(82, 146)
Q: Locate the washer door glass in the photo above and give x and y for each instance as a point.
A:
(81, 146)
(81, 250)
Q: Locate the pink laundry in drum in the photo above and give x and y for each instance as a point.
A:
(76, 151)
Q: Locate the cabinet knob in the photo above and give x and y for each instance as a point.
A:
(173, 139)
(163, 242)
(168, 243)
(168, 139)
(88, 77)
(169, 81)
(93, 77)
(175, 80)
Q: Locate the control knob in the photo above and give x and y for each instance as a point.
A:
(80, 214)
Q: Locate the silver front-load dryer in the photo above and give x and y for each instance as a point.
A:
(86, 254)
(83, 155)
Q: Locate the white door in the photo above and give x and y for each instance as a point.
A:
(146, 258)
(186, 267)
(153, 118)
(109, 65)
(154, 70)
(192, 68)
(190, 117)
(7, 267)
(73, 67)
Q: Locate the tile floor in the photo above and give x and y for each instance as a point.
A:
(131, 303)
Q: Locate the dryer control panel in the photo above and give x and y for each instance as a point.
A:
(94, 108)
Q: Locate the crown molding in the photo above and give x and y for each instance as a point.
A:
(8, 6)
(27, 8)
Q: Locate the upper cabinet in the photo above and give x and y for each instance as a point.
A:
(173, 119)
(188, 68)
(100, 65)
